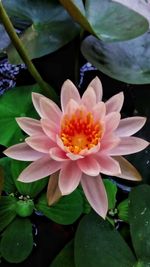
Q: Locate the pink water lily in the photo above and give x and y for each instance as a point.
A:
(87, 137)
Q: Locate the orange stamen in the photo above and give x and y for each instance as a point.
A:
(79, 131)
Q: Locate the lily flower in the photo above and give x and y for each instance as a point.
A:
(84, 138)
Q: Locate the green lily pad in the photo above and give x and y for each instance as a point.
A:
(51, 27)
(9, 185)
(66, 211)
(123, 210)
(26, 189)
(111, 190)
(97, 243)
(15, 103)
(127, 61)
(114, 22)
(66, 257)
(139, 218)
(108, 20)
(17, 241)
(7, 211)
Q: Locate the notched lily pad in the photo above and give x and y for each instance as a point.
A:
(127, 61)
(51, 27)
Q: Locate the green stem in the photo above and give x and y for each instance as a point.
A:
(23, 54)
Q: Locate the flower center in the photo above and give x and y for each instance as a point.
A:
(79, 131)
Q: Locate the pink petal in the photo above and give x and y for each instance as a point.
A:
(89, 98)
(128, 171)
(111, 122)
(39, 169)
(60, 143)
(95, 193)
(69, 91)
(71, 107)
(51, 129)
(50, 110)
(99, 111)
(74, 156)
(57, 154)
(108, 165)
(90, 151)
(40, 143)
(70, 176)
(53, 193)
(97, 86)
(22, 152)
(109, 142)
(129, 145)
(130, 126)
(29, 126)
(89, 166)
(36, 102)
(115, 103)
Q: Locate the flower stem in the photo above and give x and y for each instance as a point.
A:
(49, 91)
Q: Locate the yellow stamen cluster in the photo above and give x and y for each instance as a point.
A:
(79, 131)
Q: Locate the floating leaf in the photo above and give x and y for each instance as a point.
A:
(17, 241)
(114, 22)
(66, 211)
(123, 210)
(27, 189)
(106, 19)
(97, 243)
(140, 6)
(7, 210)
(111, 190)
(139, 218)
(15, 103)
(9, 186)
(77, 11)
(127, 61)
(66, 257)
(50, 27)
(1, 179)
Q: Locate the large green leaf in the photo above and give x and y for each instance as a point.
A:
(66, 257)
(140, 6)
(139, 218)
(29, 189)
(127, 61)
(7, 210)
(77, 11)
(17, 241)
(51, 26)
(114, 22)
(97, 243)
(106, 19)
(9, 186)
(66, 211)
(111, 190)
(15, 103)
